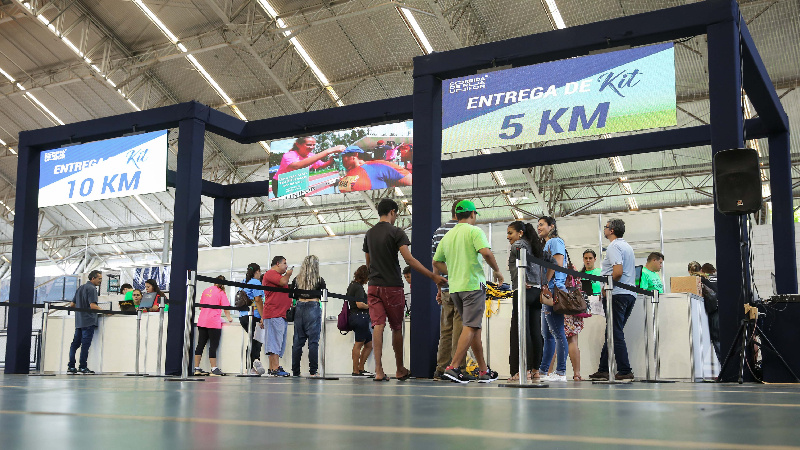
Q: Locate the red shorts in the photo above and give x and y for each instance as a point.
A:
(386, 302)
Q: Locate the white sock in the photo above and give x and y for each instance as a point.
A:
(214, 368)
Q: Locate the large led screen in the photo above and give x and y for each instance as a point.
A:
(610, 92)
(104, 169)
(360, 159)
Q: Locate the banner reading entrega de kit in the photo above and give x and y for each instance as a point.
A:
(611, 92)
(104, 169)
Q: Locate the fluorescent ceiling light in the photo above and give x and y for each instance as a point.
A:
(555, 14)
(323, 80)
(144, 205)
(423, 40)
(329, 230)
(12, 150)
(72, 205)
(5, 74)
(7, 207)
(3, 142)
(41, 105)
(156, 21)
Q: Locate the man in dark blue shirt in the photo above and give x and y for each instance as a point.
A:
(85, 322)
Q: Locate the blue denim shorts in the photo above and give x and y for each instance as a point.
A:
(276, 335)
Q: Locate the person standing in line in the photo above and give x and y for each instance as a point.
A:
(589, 260)
(450, 320)
(459, 255)
(359, 322)
(85, 323)
(555, 339)
(209, 327)
(620, 264)
(709, 279)
(275, 306)
(308, 316)
(523, 237)
(385, 296)
(651, 280)
(573, 325)
(253, 276)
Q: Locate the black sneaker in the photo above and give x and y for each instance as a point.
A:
(599, 376)
(198, 372)
(71, 371)
(217, 373)
(488, 377)
(470, 376)
(86, 371)
(456, 376)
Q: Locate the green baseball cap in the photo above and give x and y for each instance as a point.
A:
(465, 206)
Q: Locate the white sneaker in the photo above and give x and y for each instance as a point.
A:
(253, 371)
(554, 377)
(259, 367)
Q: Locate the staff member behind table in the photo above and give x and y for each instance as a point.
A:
(136, 296)
(85, 322)
(127, 303)
(651, 281)
(209, 327)
(589, 260)
(365, 176)
(302, 155)
(151, 286)
(620, 264)
(359, 322)
(709, 291)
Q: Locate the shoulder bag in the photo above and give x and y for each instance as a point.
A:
(243, 302)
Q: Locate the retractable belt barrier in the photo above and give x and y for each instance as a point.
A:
(293, 292)
(586, 276)
(67, 308)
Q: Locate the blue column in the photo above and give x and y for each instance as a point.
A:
(23, 259)
(185, 232)
(222, 223)
(780, 178)
(426, 219)
(725, 92)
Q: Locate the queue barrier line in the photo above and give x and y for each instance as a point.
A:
(586, 276)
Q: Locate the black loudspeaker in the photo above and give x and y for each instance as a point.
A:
(737, 181)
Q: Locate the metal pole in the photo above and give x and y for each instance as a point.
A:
(251, 322)
(244, 349)
(138, 341)
(646, 342)
(656, 356)
(61, 346)
(43, 342)
(521, 316)
(608, 288)
(146, 340)
(159, 370)
(691, 342)
(102, 339)
(187, 327)
(322, 332)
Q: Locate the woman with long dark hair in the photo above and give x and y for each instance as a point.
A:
(151, 286)
(253, 276)
(307, 316)
(555, 340)
(359, 322)
(523, 237)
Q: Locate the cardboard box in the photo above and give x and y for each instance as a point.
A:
(690, 285)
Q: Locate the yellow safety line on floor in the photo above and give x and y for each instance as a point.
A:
(452, 432)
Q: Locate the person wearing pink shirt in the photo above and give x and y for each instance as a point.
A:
(302, 155)
(209, 327)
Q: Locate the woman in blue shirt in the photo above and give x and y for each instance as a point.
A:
(555, 340)
(257, 296)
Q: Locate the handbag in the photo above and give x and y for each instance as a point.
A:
(343, 321)
(290, 314)
(568, 303)
(243, 302)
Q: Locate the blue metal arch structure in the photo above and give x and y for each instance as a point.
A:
(719, 19)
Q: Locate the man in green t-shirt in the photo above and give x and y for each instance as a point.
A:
(459, 256)
(651, 281)
(589, 260)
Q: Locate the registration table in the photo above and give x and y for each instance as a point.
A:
(684, 343)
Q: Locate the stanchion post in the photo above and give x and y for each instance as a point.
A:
(607, 291)
(138, 341)
(159, 368)
(522, 325)
(251, 324)
(321, 370)
(646, 342)
(692, 377)
(655, 300)
(187, 327)
(43, 342)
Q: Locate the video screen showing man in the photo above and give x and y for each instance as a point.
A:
(301, 156)
(364, 176)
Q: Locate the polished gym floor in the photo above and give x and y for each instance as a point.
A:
(116, 412)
